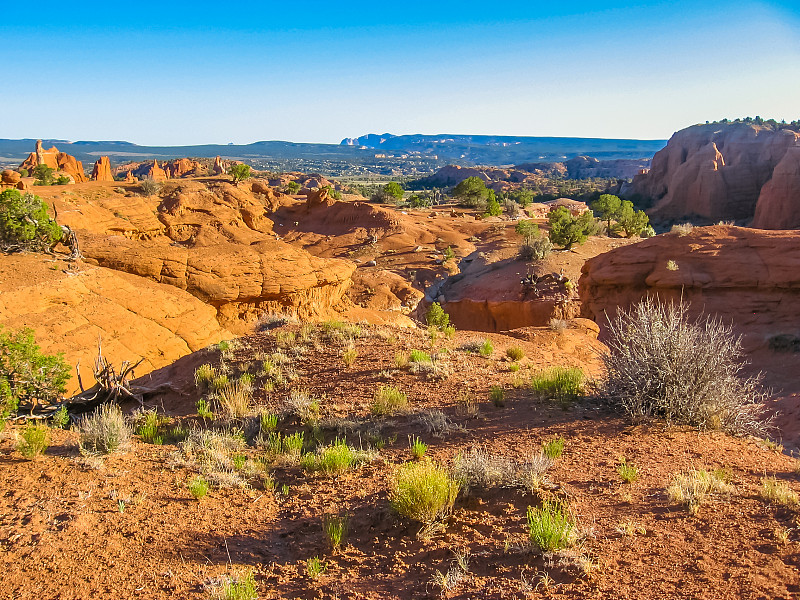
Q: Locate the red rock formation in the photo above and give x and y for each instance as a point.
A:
(716, 172)
(779, 202)
(102, 170)
(218, 169)
(748, 276)
(156, 173)
(9, 177)
(60, 161)
(129, 178)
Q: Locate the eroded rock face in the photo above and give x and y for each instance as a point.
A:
(102, 170)
(215, 242)
(746, 276)
(218, 168)
(721, 172)
(133, 317)
(60, 161)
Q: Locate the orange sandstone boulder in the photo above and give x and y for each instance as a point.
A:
(9, 177)
(102, 170)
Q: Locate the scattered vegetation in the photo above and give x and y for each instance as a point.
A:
(554, 448)
(418, 447)
(333, 459)
(198, 487)
(104, 431)
(778, 492)
(25, 223)
(558, 383)
(239, 172)
(497, 395)
(35, 440)
(27, 375)
(388, 400)
(567, 230)
(515, 353)
(315, 567)
(479, 469)
(628, 472)
(486, 349)
(550, 527)
(335, 528)
(436, 317)
(424, 491)
(459, 568)
(693, 487)
(661, 365)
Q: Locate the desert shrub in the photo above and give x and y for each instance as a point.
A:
(486, 349)
(515, 353)
(493, 208)
(479, 469)
(349, 356)
(531, 473)
(292, 188)
(437, 317)
(388, 400)
(423, 491)
(693, 487)
(243, 587)
(60, 418)
(682, 229)
(559, 383)
(293, 443)
(239, 172)
(557, 324)
(436, 422)
(535, 247)
(566, 230)
(627, 472)
(448, 254)
(104, 431)
(661, 365)
(26, 374)
(35, 440)
(204, 409)
(459, 568)
(150, 187)
(147, 425)
(778, 492)
(315, 567)
(497, 395)
(43, 175)
(24, 222)
(554, 448)
(550, 527)
(335, 528)
(268, 422)
(198, 487)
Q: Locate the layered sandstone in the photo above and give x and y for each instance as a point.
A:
(721, 171)
(746, 276)
(102, 170)
(60, 161)
(70, 310)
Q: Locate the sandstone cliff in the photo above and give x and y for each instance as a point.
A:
(60, 161)
(720, 171)
(746, 276)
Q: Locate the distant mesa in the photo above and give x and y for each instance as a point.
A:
(60, 161)
(729, 171)
(371, 140)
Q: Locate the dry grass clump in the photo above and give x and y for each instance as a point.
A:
(436, 422)
(467, 405)
(104, 431)
(693, 487)
(235, 399)
(217, 456)
(304, 406)
(455, 575)
(682, 229)
(335, 458)
(661, 365)
(530, 474)
(388, 400)
(34, 441)
(477, 468)
(515, 353)
(778, 492)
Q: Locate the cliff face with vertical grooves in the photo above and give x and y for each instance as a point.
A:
(725, 171)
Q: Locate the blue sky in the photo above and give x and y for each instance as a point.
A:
(185, 73)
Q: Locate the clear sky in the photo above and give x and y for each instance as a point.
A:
(173, 73)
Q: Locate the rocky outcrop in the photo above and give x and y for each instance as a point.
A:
(718, 172)
(779, 202)
(9, 177)
(134, 317)
(218, 168)
(102, 170)
(156, 173)
(747, 276)
(60, 161)
(241, 282)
